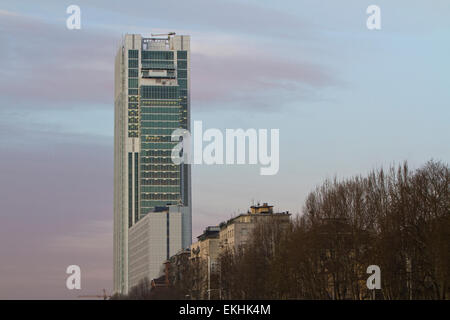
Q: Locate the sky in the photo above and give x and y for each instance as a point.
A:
(346, 100)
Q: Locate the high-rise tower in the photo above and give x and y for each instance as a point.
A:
(152, 99)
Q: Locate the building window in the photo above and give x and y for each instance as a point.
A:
(182, 55)
(159, 92)
(157, 55)
(182, 74)
(130, 189)
(133, 54)
(133, 73)
(182, 64)
(132, 83)
(133, 63)
(136, 186)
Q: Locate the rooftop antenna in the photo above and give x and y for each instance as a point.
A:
(163, 34)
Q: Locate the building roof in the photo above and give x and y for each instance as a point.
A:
(211, 232)
(159, 282)
(258, 211)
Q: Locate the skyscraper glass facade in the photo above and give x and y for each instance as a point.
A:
(152, 100)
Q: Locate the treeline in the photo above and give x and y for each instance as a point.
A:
(398, 220)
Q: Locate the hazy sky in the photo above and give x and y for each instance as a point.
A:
(346, 100)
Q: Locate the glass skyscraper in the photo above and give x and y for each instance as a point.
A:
(152, 79)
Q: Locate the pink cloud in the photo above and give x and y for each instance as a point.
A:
(42, 63)
(244, 76)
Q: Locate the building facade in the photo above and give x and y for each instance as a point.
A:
(152, 99)
(207, 246)
(178, 267)
(153, 240)
(236, 232)
(205, 259)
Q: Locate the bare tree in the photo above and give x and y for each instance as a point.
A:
(398, 220)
